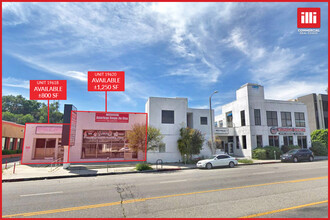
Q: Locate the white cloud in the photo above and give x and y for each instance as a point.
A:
(17, 83)
(294, 89)
(278, 65)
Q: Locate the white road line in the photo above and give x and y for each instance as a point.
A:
(40, 194)
(173, 181)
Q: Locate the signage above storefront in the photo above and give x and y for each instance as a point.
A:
(287, 131)
(49, 129)
(111, 81)
(221, 131)
(111, 117)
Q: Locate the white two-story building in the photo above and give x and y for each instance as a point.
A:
(170, 115)
(252, 121)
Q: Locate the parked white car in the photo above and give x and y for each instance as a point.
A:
(218, 161)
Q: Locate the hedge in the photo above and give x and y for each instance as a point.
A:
(319, 149)
(270, 152)
(259, 153)
(290, 147)
(7, 152)
(266, 152)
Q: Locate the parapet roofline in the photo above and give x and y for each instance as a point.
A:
(13, 123)
(168, 98)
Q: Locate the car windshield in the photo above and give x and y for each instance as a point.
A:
(212, 157)
(292, 151)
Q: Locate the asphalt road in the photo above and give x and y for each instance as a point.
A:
(270, 190)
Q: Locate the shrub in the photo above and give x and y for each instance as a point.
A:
(7, 152)
(270, 152)
(319, 149)
(245, 161)
(143, 166)
(320, 135)
(290, 147)
(259, 153)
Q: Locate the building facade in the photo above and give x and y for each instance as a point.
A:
(252, 121)
(317, 108)
(12, 136)
(94, 137)
(170, 115)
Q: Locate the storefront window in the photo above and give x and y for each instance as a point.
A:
(288, 140)
(45, 148)
(302, 141)
(105, 144)
(273, 141)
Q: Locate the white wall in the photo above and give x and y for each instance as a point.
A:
(171, 132)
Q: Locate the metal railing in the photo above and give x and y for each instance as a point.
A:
(55, 164)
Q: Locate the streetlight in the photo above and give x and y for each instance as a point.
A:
(211, 120)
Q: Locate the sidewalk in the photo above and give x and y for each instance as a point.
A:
(39, 172)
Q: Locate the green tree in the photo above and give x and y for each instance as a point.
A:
(20, 110)
(25, 119)
(190, 142)
(154, 138)
(137, 136)
(320, 135)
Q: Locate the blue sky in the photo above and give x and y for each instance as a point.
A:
(166, 50)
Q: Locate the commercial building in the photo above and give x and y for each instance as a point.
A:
(170, 115)
(252, 121)
(94, 137)
(317, 108)
(12, 135)
(43, 143)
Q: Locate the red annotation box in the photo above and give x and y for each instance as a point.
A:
(111, 117)
(47, 89)
(106, 81)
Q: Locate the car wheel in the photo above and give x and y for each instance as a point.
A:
(208, 166)
(311, 158)
(295, 159)
(231, 164)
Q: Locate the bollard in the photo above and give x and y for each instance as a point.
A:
(275, 154)
(14, 167)
(6, 165)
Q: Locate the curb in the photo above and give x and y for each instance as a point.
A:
(87, 175)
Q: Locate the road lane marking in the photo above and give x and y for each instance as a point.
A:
(173, 181)
(286, 209)
(151, 198)
(40, 194)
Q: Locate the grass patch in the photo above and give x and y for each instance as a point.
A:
(245, 161)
